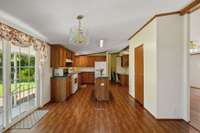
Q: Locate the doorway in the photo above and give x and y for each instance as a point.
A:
(139, 74)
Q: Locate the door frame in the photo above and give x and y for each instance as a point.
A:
(142, 45)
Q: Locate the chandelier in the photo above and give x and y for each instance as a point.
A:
(78, 35)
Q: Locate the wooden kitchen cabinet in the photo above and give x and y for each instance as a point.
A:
(99, 58)
(61, 88)
(81, 61)
(59, 54)
(91, 77)
(87, 61)
(91, 60)
(101, 90)
(79, 80)
(124, 60)
(68, 87)
(73, 59)
(123, 79)
(68, 54)
(87, 77)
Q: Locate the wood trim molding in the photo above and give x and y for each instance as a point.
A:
(191, 54)
(195, 8)
(191, 7)
(150, 20)
(195, 5)
(195, 87)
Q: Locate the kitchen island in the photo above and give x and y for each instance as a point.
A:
(101, 90)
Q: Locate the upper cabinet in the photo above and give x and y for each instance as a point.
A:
(81, 61)
(69, 54)
(59, 54)
(124, 60)
(87, 61)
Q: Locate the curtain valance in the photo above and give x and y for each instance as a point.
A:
(22, 39)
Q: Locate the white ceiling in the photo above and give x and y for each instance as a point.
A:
(111, 20)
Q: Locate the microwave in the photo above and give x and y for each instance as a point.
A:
(60, 72)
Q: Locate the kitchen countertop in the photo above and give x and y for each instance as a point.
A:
(102, 77)
(54, 77)
(70, 74)
(66, 76)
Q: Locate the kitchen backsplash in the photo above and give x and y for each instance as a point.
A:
(84, 69)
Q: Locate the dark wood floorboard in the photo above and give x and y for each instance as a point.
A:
(82, 114)
(195, 108)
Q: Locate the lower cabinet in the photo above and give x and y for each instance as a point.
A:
(123, 79)
(79, 80)
(60, 88)
(68, 87)
(87, 77)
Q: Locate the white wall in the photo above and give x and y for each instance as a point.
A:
(194, 26)
(185, 70)
(163, 66)
(45, 83)
(195, 70)
(119, 68)
(169, 59)
(195, 59)
(147, 37)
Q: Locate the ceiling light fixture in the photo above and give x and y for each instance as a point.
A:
(101, 43)
(78, 35)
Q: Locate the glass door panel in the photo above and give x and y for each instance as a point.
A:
(23, 88)
(1, 85)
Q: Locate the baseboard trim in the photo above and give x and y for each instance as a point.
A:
(44, 104)
(170, 119)
(159, 119)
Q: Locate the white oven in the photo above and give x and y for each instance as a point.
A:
(74, 82)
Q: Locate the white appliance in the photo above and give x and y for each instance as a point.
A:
(100, 65)
(74, 82)
(60, 72)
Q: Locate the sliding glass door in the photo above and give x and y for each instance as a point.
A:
(21, 57)
(1, 85)
(23, 85)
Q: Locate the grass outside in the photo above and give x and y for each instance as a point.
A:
(21, 87)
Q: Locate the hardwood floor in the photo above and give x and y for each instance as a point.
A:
(195, 107)
(82, 114)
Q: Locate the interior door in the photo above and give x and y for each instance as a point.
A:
(139, 74)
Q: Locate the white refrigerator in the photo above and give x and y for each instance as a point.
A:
(100, 66)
